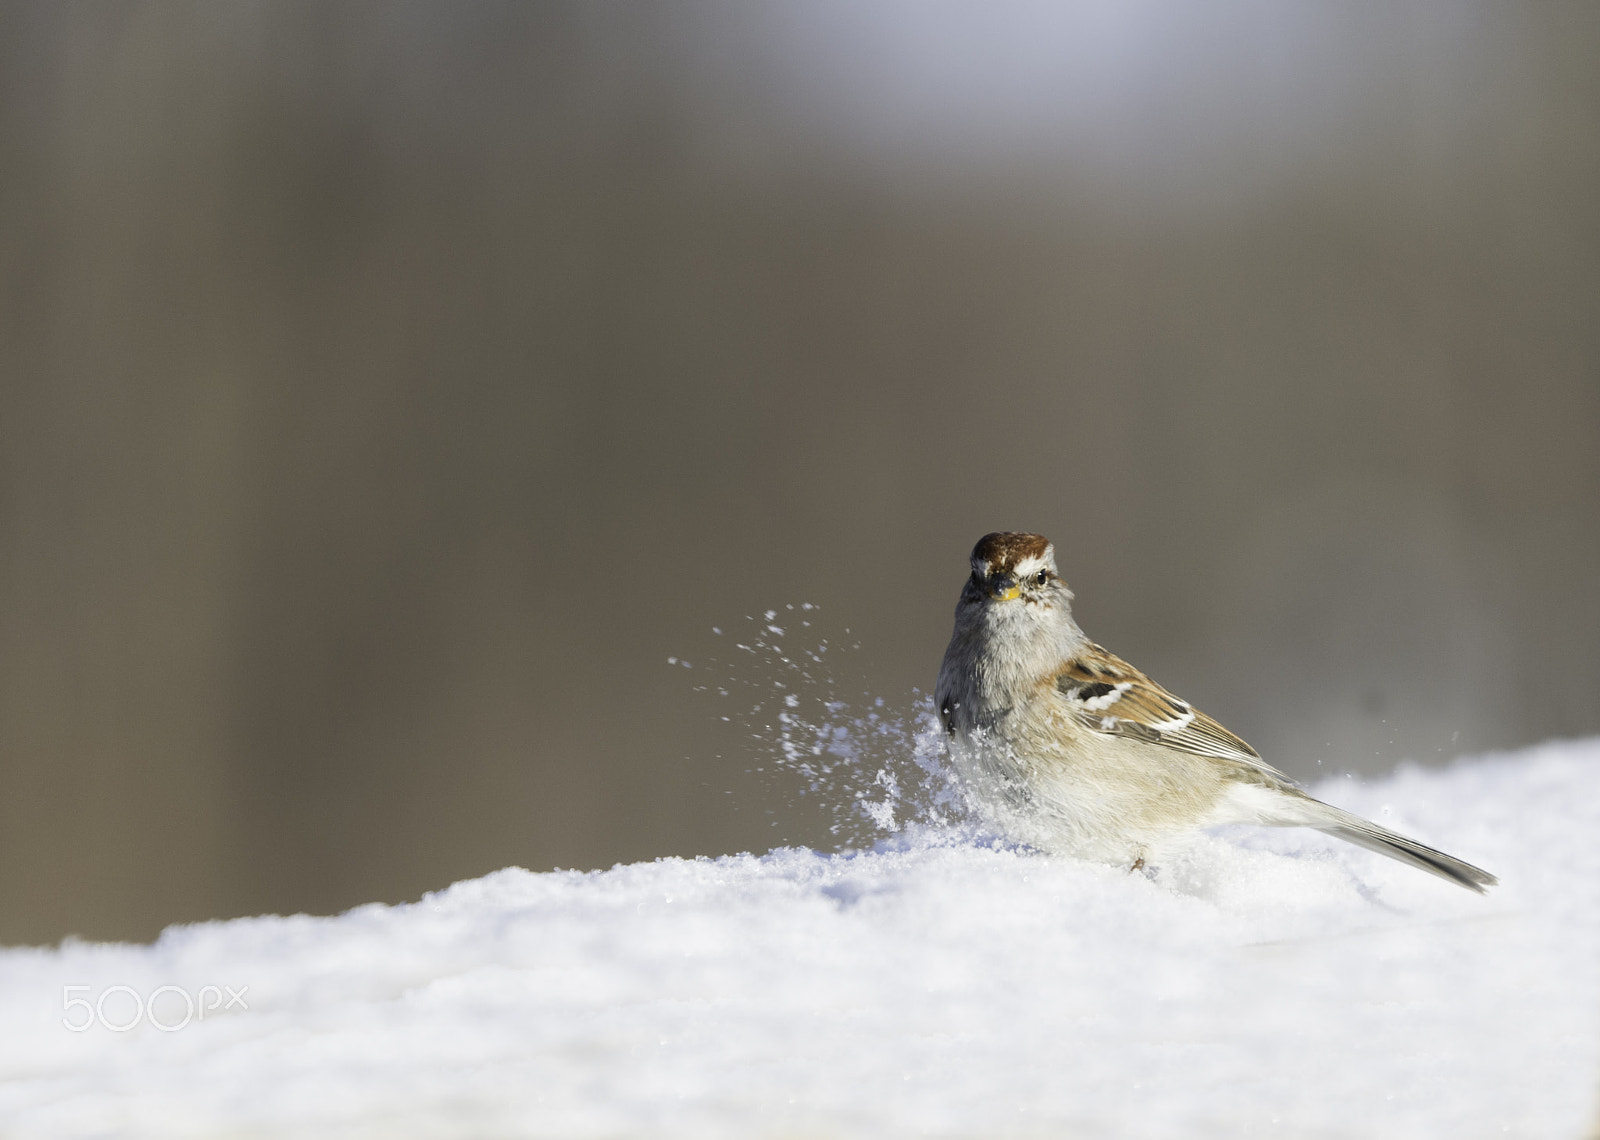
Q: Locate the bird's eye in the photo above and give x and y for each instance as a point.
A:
(1041, 577)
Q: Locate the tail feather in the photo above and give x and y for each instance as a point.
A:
(1284, 805)
(1365, 833)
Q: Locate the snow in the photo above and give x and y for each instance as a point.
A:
(1268, 983)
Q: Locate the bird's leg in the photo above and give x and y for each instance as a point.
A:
(1138, 865)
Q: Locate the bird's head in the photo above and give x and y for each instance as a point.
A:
(1014, 619)
(1010, 567)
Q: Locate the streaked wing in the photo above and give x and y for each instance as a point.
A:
(1107, 695)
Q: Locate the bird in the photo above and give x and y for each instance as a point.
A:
(1067, 748)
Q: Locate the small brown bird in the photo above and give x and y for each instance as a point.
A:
(1072, 750)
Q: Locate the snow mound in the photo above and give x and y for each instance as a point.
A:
(1269, 983)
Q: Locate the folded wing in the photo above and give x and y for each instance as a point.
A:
(1107, 695)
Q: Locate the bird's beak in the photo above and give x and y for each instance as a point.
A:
(1004, 589)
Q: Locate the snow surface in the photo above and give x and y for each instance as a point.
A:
(1271, 983)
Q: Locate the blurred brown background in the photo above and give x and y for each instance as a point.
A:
(387, 391)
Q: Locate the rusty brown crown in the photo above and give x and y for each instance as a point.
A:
(1000, 552)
